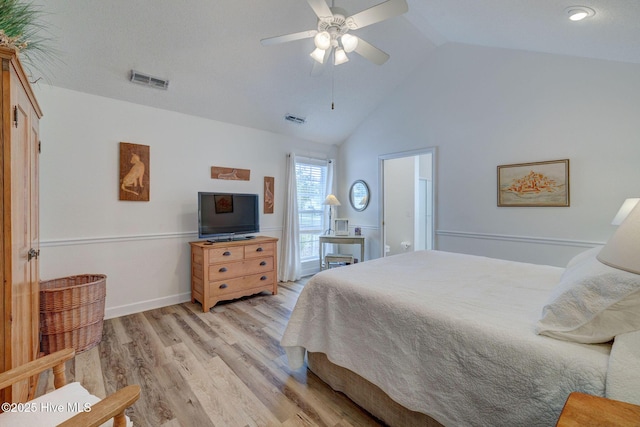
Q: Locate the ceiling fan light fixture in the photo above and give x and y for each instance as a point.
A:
(578, 13)
(318, 55)
(322, 40)
(349, 42)
(340, 56)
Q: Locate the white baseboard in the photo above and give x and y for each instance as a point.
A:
(141, 306)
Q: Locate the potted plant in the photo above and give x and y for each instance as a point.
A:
(22, 29)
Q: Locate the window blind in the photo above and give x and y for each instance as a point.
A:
(311, 177)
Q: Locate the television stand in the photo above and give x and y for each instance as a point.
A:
(232, 269)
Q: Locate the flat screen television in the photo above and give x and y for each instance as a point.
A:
(225, 216)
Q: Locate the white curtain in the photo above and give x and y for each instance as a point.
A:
(290, 266)
(329, 189)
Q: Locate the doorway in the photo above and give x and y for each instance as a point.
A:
(407, 201)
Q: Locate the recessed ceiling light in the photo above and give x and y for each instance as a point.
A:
(578, 13)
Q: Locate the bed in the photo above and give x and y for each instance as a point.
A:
(467, 340)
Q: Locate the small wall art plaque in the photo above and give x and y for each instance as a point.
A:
(134, 172)
(268, 194)
(235, 174)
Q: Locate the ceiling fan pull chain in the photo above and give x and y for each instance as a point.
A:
(333, 75)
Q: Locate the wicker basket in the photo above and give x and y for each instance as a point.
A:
(72, 312)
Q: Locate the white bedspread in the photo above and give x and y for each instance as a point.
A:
(448, 335)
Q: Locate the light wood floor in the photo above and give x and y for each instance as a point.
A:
(220, 368)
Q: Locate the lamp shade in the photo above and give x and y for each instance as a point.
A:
(622, 251)
(322, 40)
(331, 200)
(318, 55)
(340, 56)
(349, 42)
(624, 210)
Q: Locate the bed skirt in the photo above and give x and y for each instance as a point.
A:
(366, 395)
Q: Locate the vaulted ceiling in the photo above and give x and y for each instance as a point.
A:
(210, 52)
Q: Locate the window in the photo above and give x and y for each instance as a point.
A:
(311, 177)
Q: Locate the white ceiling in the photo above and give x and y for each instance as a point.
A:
(210, 52)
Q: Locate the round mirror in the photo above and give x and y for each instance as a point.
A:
(359, 195)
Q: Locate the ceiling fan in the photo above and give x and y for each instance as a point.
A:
(333, 35)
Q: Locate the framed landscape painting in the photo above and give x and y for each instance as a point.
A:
(534, 184)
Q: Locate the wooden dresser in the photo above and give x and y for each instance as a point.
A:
(19, 250)
(228, 270)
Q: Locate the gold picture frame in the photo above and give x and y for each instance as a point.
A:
(538, 184)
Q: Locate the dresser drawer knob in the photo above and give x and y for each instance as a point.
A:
(259, 250)
(223, 269)
(263, 263)
(226, 253)
(223, 286)
(263, 278)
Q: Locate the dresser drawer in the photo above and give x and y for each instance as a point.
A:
(226, 270)
(232, 286)
(229, 270)
(258, 265)
(259, 250)
(224, 254)
(267, 278)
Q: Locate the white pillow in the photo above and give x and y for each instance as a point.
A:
(589, 253)
(592, 303)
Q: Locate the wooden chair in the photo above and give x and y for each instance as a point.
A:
(64, 396)
(581, 410)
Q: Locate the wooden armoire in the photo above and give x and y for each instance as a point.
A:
(19, 271)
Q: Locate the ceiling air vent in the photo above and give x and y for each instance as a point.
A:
(295, 119)
(144, 79)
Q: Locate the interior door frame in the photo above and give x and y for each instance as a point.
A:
(434, 173)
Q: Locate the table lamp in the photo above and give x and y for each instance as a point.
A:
(622, 251)
(332, 201)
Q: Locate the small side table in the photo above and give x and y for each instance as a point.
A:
(586, 410)
(341, 240)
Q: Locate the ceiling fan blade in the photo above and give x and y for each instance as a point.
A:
(289, 37)
(321, 9)
(371, 52)
(380, 12)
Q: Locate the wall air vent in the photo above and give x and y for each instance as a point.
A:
(146, 80)
(295, 119)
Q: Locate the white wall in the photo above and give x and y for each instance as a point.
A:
(142, 247)
(484, 107)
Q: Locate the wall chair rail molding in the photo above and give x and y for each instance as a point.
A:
(191, 235)
(117, 239)
(521, 239)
